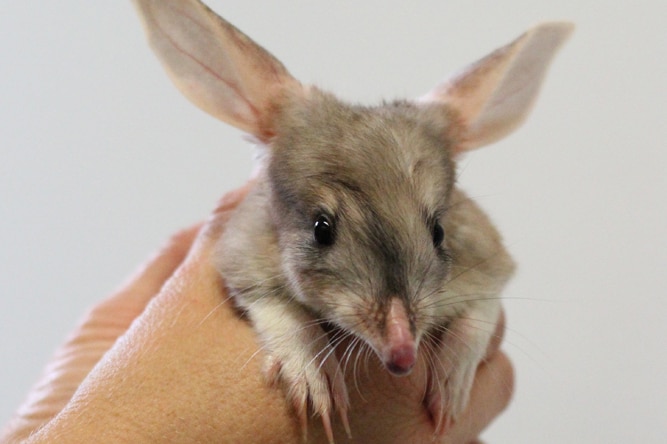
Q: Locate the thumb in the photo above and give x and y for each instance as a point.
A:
(97, 332)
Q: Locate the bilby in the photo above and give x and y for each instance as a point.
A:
(355, 228)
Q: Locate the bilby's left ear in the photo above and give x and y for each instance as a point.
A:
(494, 95)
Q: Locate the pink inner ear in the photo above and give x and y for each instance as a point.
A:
(215, 65)
(494, 95)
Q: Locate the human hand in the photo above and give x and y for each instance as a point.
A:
(167, 359)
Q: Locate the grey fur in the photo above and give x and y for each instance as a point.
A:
(385, 174)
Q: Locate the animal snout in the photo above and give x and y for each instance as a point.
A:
(400, 349)
(401, 359)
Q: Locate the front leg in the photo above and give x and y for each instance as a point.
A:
(300, 357)
(462, 348)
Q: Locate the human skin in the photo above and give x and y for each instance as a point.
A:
(167, 359)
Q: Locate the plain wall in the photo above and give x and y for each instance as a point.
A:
(101, 159)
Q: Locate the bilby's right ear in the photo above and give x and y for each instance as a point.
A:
(215, 65)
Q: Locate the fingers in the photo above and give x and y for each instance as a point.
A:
(97, 332)
(201, 260)
(149, 279)
(107, 321)
(229, 201)
(492, 392)
(494, 385)
(111, 318)
(215, 225)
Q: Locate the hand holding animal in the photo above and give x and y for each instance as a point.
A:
(356, 229)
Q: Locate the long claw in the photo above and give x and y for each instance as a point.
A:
(436, 411)
(272, 368)
(447, 424)
(346, 422)
(326, 423)
(302, 413)
(314, 389)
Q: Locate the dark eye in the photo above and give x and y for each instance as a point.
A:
(323, 230)
(438, 235)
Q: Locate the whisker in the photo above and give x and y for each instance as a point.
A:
(508, 340)
(422, 280)
(259, 349)
(355, 367)
(258, 284)
(474, 297)
(360, 346)
(475, 266)
(345, 357)
(317, 355)
(213, 310)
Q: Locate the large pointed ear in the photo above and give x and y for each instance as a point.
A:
(215, 65)
(494, 95)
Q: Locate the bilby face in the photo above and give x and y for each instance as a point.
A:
(359, 197)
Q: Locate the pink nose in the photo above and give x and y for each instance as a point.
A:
(400, 353)
(401, 359)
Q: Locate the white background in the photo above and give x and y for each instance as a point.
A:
(101, 159)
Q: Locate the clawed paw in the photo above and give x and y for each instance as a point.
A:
(448, 394)
(315, 385)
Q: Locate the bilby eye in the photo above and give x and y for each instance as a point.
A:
(438, 235)
(323, 230)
